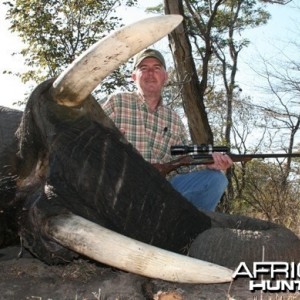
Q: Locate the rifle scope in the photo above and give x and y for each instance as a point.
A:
(196, 149)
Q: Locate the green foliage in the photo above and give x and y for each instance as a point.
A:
(215, 28)
(56, 32)
(244, 14)
(159, 9)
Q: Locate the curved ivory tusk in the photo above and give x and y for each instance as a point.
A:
(124, 253)
(90, 68)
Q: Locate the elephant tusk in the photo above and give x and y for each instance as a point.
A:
(116, 250)
(90, 68)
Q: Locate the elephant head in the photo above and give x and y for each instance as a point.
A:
(86, 190)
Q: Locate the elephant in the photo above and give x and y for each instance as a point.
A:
(9, 121)
(79, 188)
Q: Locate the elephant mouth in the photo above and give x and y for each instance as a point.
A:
(71, 89)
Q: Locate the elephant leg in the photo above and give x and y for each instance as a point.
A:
(248, 241)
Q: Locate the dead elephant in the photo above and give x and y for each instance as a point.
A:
(9, 121)
(83, 189)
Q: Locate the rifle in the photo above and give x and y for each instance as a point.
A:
(201, 154)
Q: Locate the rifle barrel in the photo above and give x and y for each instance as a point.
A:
(208, 159)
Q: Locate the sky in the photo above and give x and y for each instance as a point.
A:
(265, 41)
(12, 88)
(271, 42)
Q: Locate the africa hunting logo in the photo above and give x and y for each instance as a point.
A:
(270, 276)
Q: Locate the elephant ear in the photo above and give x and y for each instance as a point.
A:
(73, 86)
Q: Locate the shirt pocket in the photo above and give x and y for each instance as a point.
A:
(161, 147)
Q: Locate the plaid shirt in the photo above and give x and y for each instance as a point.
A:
(151, 133)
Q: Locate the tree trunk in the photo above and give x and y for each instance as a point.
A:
(192, 92)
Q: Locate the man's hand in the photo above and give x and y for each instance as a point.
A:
(221, 161)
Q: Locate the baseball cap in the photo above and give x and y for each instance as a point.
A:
(148, 53)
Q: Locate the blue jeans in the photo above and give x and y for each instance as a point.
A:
(202, 188)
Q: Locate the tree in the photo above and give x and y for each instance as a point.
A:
(280, 80)
(56, 32)
(284, 110)
(271, 188)
(234, 18)
(207, 36)
(264, 194)
(192, 89)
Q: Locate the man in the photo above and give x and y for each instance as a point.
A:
(153, 128)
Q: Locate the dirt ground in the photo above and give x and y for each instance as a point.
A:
(29, 278)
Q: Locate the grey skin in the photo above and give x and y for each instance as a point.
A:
(70, 155)
(9, 122)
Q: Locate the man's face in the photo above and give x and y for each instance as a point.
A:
(150, 76)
